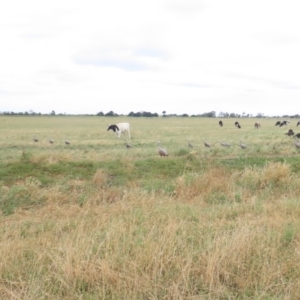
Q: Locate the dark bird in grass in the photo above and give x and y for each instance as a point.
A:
(190, 144)
(51, 141)
(224, 144)
(242, 145)
(237, 124)
(35, 139)
(290, 132)
(161, 151)
(206, 144)
(127, 145)
(67, 142)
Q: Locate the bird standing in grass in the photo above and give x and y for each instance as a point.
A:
(127, 145)
(224, 144)
(290, 132)
(190, 144)
(51, 141)
(35, 139)
(161, 151)
(242, 145)
(67, 142)
(206, 144)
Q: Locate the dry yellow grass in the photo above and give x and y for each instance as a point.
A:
(146, 249)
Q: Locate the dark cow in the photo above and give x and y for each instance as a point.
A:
(298, 123)
(237, 124)
(297, 136)
(257, 125)
(284, 123)
(221, 123)
(290, 132)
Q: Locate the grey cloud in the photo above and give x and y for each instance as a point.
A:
(277, 38)
(274, 83)
(186, 6)
(17, 91)
(35, 35)
(124, 64)
(59, 75)
(151, 52)
(200, 85)
(5, 92)
(125, 59)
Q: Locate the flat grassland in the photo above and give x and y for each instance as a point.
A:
(96, 220)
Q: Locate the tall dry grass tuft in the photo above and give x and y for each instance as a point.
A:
(215, 181)
(246, 259)
(273, 173)
(50, 158)
(276, 173)
(100, 178)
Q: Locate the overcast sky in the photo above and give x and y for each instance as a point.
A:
(181, 56)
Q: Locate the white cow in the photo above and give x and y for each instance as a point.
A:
(119, 128)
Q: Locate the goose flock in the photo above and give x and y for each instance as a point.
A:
(50, 140)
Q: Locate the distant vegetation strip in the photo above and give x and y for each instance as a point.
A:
(210, 114)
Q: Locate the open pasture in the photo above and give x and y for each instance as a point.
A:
(90, 140)
(97, 220)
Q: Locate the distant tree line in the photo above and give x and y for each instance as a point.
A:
(142, 114)
(211, 114)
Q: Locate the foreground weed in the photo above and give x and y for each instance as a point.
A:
(276, 174)
(288, 234)
(212, 185)
(26, 155)
(18, 197)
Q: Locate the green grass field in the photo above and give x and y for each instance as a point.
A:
(95, 220)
